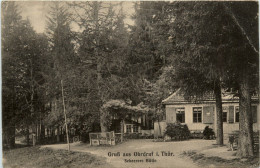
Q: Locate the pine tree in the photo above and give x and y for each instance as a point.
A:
(22, 74)
(102, 46)
(209, 50)
(10, 23)
(63, 56)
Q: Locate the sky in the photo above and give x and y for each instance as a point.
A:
(36, 12)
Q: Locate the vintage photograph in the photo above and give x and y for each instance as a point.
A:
(113, 84)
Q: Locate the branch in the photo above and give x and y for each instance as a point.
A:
(240, 27)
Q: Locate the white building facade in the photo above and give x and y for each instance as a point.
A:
(199, 114)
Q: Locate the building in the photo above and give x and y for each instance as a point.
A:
(132, 125)
(128, 119)
(202, 112)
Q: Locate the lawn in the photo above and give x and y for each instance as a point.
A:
(209, 161)
(34, 157)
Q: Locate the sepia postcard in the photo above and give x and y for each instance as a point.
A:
(113, 84)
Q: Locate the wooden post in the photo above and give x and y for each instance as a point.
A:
(90, 139)
(122, 130)
(64, 110)
(34, 139)
(58, 134)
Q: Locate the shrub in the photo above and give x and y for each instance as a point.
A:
(177, 131)
(84, 136)
(208, 133)
(132, 136)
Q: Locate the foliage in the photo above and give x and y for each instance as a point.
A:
(120, 104)
(213, 53)
(156, 91)
(203, 51)
(101, 51)
(147, 59)
(177, 131)
(208, 133)
(197, 46)
(121, 109)
(23, 54)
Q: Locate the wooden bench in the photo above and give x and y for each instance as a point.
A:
(102, 138)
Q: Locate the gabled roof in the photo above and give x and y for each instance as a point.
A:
(178, 98)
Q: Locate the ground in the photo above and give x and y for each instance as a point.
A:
(34, 157)
(148, 146)
(189, 153)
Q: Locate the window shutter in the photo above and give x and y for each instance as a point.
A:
(254, 113)
(170, 114)
(208, 114)
(231, 114)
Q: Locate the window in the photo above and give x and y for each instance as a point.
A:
(224, 114)
(135, 128)
(197, 114)
(180, 115)
(128, 129)
(237, 113)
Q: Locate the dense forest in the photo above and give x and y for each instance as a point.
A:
(199, 47)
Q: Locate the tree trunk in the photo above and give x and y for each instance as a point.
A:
(96, 9)
(103, 127)
(42, 134)
(159, 134)
(37, 130)
(147, 122)
(245, 141)
(11, 124)
(217, 92)
(122, 130)
(65, 117)
(58, 134)
(103, 118)
(10, 135)
(27, 136)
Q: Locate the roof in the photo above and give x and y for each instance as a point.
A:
(178, 98)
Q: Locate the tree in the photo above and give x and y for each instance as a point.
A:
(200, 71)
(144, 46)
(211, 52)
(62, 51)
(10, 23)
(200, 51)
(23, 54)
(147, 59)
(102, 45)
(244, 69)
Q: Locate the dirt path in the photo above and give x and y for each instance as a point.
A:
(157, 158)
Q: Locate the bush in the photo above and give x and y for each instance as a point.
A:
(137, 136)
(177, 131)
(84, 136)
(132, 136)
(208, 133)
